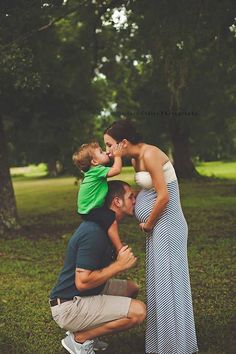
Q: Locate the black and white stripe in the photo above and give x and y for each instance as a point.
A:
(170, 319)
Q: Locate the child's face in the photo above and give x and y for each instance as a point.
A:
(100, 156)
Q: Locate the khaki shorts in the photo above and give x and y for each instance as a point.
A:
(92, 311)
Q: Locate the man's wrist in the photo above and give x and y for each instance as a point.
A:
(117, 267)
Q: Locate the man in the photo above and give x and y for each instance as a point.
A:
(86, 301)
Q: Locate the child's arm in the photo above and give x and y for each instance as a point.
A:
(117, 165)
(113, 234)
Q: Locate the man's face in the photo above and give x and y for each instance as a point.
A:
(128, 202)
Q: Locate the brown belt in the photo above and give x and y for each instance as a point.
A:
(54, 302)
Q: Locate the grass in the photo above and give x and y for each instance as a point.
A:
(218, 169)
(32, 257)
(30, 171)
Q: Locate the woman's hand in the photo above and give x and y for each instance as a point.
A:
(145, 227)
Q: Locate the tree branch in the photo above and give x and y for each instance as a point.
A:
(45, 27)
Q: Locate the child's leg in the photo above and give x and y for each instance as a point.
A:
(105, 217)
(114, 236)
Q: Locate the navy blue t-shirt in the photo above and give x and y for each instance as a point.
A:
(89, 248)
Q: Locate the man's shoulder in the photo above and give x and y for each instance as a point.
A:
(88, 230)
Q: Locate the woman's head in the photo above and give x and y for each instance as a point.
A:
(121, 131)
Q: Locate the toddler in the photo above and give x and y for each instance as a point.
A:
(90, 158)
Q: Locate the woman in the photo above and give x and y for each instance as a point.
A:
(170, 320)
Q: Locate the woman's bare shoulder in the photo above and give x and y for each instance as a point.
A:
(150, 150)
(153, 152)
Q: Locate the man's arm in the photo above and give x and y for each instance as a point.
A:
(88, 279)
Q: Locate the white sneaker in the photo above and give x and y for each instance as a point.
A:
(97, 343)
(76, 348)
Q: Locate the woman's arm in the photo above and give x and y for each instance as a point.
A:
(153, 164)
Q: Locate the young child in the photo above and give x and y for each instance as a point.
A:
(90, 158)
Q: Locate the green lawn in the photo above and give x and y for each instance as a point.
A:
(218, 169)
(32, 258)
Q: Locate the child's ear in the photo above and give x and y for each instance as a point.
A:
(94, 162)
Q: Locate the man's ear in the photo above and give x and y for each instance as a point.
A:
(118, 202)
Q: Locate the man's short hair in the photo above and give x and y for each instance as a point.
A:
(115, 189)
(83, 156)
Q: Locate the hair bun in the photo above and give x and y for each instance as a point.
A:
(124, 129)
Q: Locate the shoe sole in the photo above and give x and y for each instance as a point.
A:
(101, 350)
(95, 349)
(65, 346)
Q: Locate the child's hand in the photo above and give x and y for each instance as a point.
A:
(117, 150)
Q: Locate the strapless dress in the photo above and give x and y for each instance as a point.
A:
(170, 325)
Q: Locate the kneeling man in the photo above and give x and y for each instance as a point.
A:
(86, 301)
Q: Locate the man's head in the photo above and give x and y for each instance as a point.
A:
(120, 198)
(90, 155)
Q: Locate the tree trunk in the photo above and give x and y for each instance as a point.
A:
(183, 164)
(8, 211)
(52, 168)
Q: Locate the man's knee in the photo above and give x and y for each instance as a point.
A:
(132, 289)
(137, 311)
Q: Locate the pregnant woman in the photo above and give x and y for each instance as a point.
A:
(170, 319)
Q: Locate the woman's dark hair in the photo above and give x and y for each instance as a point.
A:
(124, 129)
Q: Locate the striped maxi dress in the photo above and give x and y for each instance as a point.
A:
(170, 320)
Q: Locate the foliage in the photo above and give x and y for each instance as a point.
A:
(64, 62)
(49, 97)
(67, 68)
(165, 66)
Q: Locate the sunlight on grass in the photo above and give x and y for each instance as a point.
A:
(29, 171)
(218, 169)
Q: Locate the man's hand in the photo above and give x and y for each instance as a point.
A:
(126, 258)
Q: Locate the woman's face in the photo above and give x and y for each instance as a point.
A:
(110, 144)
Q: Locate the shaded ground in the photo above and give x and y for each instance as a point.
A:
(31, 259)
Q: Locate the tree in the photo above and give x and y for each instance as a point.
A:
(167, 59)
(8, 212)
(48, 93)
(18, 76)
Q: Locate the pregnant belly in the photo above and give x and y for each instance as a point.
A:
(144, 204)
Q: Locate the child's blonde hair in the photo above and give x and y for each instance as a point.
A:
(83, 156)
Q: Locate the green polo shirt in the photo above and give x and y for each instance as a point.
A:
(93, 189)
(89, 248)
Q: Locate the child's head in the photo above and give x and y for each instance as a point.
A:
(88, 155)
